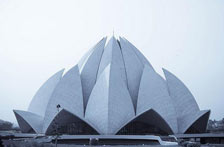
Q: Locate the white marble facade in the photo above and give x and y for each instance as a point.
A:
(112, 86)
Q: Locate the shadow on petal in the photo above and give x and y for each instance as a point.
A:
(148, 122)
(66, 122)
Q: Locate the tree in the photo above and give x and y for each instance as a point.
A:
(5, 125)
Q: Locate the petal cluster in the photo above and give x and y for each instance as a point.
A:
(113, 90)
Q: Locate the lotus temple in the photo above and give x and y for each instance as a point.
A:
(113, 90)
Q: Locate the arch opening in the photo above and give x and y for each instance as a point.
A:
(147, 123)
(200, 125)
(141, 128)
(66, 122)
(23, 124)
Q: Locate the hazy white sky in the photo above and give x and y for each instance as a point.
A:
(38, 38)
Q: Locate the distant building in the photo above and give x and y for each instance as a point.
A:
(216, 126)
(113, 90)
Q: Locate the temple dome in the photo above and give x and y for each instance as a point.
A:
(113, 90)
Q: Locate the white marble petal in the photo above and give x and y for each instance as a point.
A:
(188, 120)
(68, 94)
(110, 104)
(134, 68)
(112, 54)
(28, 120)
(40, 100)
(182, 98)
(153, 93)
(90, 70)
(139, 54)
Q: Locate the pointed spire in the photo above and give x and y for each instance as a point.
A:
(112, 55)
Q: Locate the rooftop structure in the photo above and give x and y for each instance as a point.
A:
(113, 90)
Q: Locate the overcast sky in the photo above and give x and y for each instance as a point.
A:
(38, 38)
